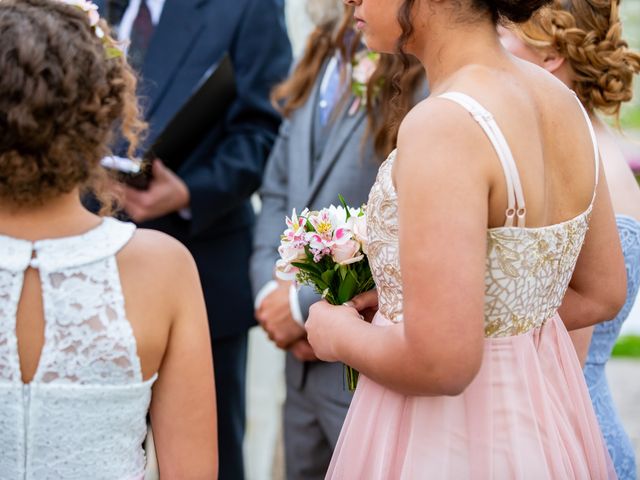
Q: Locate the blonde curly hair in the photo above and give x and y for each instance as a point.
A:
(588, 34)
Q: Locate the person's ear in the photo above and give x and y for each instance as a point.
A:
(552, 61)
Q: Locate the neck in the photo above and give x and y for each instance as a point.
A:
(446, 45)
(61, 216)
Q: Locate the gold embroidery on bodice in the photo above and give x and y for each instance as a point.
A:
(527, 269)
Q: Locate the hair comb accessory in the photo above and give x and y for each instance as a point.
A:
(112, 49)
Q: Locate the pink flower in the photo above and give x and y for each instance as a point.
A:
(321, 222)
(341, 236)
(346, 253)
(364, 69)
(318, 245)
(291, 252)
(285, 271)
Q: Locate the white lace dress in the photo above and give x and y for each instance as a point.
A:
(83, 414)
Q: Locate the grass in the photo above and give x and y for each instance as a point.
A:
(627, 346)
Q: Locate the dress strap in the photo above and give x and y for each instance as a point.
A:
(594, 140)
(515, 194)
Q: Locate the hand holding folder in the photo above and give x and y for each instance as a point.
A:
(204, 110)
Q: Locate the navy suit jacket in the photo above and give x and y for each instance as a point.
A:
(227, 166)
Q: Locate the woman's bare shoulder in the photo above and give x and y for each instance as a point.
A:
(157, 252)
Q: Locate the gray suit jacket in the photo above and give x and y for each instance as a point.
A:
(347, 166)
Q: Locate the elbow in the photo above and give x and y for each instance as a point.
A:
(610, 300)
(611, 306)
(451, 376)
(458, 380)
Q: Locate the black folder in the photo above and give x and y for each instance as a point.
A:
(204, 110)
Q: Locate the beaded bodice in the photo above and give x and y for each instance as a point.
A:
(527, 269)
(83, 414)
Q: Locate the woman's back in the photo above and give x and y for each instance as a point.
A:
(545, 130)
(81, 412)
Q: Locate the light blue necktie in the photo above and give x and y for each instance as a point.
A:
(329, 91)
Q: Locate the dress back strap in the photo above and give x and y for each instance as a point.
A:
(594, 140)
(515, 196)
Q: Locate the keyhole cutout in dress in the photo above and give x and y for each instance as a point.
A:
(30, 324)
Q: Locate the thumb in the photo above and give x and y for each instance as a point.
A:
(365, 300)
(158, 170)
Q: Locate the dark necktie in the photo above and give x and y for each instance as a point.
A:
(141, 34)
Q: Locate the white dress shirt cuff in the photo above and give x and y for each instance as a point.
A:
(294, 305)
(264, 293)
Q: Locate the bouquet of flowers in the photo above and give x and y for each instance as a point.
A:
(327, 250)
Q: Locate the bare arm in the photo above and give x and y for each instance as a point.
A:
(442, 219)
(183, 406)
(598, 287)
(582, 341)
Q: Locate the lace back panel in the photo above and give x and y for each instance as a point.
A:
(88, 339)
(83, 415)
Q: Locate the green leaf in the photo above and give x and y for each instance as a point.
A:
(343, 271)
(344, 205)
(327, 276)
(310, 227)
(347, 289)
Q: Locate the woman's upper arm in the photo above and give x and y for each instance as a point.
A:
(183, 408)
(599, 277)
(443, 189)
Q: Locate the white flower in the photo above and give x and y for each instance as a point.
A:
(358, 225)
(337, 215)
(86, 6)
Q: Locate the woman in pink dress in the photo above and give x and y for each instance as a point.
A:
(468, 370)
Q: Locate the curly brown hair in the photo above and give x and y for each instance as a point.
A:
(61, 99)
(388, 100)
(588, 33)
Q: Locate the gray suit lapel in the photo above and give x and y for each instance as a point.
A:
(339, 136)
(301, 142)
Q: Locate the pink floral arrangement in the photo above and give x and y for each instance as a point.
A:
(362, 68)
(327, 250)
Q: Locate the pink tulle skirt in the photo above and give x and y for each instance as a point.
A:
(527, 415)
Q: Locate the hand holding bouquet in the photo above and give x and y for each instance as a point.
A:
(327, 250)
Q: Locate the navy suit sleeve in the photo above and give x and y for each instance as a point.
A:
(261, 56)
